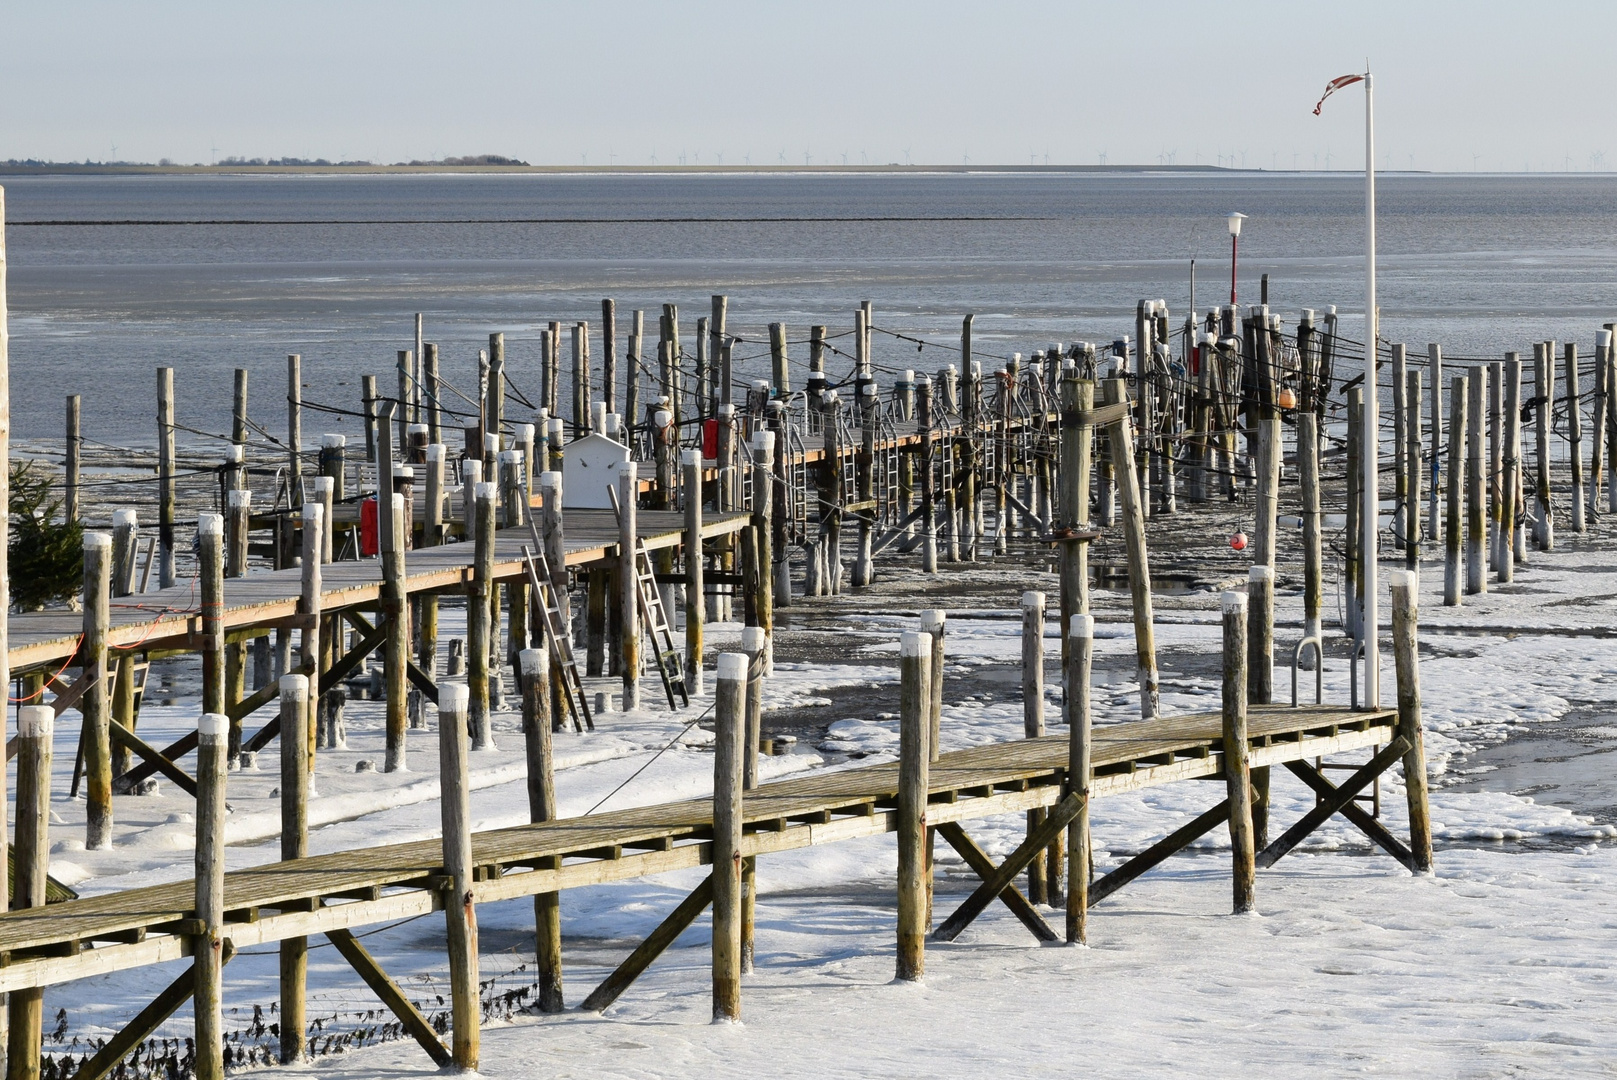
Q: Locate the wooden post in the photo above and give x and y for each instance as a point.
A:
(1080, 657)
(125, 533)
(460, 912)
(1597, 420)
(537, 724)
(1574, 434)
(95, 703)
(211, 571)
(1039, 879)
(1544, 402)
(1412, 463)
(208, 945)
(401, 412)
(1313, 550)
(831, 519)
(1406, 655)
(581, 378)
(729, 740)
(295, 749)
(914, 756)
(5, 521)
(1400, 425)
(763, 597)
(609, 355)
(165, 478)
(628, 585)
(1121, 437)
(752, 648)
(31, 861)
(1434, 362)
(70, 468)
(1353, 581)
(631, 376)
(864, 562)
(780, 381)
(1476, 502)
(494, 402)
(1077, 430)
(1268, 470)
(432, 535)
(1236, 751)
(695, 602)
(294, 429)
(430, 393)
(478, 630)
(1260, 637)
(1510, 479)
(925, 429)
(1496, 459)
(934, 624)
(395, 608)
(368, 403)
(1611, 418)
(1452, 525)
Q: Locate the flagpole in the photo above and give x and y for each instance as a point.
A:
(1370, 424)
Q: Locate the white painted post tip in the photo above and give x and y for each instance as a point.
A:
(553, 429)
(1260, 573)
(240, 498)
(454, 698)
(1232, 602)
(933, 618)
(690, 457)
(97, 540)
(913, 644)
(435, 452)
(314, 514)
(124, 518)
(322, 485)
(1081, 626)
(211, 524)
(1405, 579)
(626, 471)
(732, 667)
(1602, 339)
(36, 721)
(235, 455)
(491, 444)
(727, 412)
(662, 418)
(483, 490)
(415, 429)
(212, 725)
(531, 660)
(398, 502)
(510, 457)
(763, 442)
(296, 685)
(333, 442)
(550, 481)
(753, 638)
(1033, 600)
(471, 471)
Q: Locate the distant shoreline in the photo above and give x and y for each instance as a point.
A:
(115, 169)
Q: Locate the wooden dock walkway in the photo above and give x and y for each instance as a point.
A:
(343, 890)
(170, 618)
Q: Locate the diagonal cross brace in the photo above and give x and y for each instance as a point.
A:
(392, 995)
(979, 861)
(648, 950)
(1059, 818)
(1355, 813)
(1159, 852)
(163, 1006)
(1332, 803)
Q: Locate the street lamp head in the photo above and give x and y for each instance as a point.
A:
(1235, 224)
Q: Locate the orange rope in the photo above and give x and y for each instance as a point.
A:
(54, 678)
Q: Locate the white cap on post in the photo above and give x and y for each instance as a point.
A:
(753, 638)
(732, 666)
(333, 442)
(1081, 626)
(933, 619)
(212, 725)
(1232, 602)
(97, 540)
(435, 452)
(454, 698)
(598, 415)
(321, 485)
(240, 498)
(484, 491)
(690, 457)
(36, 721)
(1260, 572)
(763, 443)
(626, 470)
(210, 524)
(296, 685)
(530, 660)
(122, 519)
(1033, 599)
(550, 480)
(913, 644)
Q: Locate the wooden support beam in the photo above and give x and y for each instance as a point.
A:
(1356, 814)
(391, 994)
(418, 678)
(158, 762)
(613, 986)
(1060, 814)
(1331, 803)
(146, 1021)
(984, 867)
(1159, 852)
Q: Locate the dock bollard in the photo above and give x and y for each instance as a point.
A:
(729, 711)
(1080, 657)
(31, 857)
(460, 912)
(1406, 656)
(914, 755)
(1243, 854)
(213, 732)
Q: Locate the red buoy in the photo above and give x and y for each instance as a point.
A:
(1238, 541)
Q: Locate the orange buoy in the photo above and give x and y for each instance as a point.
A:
(1238, 541)
(1287, 398)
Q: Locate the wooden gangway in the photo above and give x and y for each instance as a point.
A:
(170, 618)
(344, 890)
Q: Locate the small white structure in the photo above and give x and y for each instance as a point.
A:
(588, 470)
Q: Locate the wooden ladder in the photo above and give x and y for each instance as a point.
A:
(655, 617)
(556, 638)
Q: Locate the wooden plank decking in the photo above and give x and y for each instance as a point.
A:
(166, 618)
(348, 889)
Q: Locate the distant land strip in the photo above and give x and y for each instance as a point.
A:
(509, 221)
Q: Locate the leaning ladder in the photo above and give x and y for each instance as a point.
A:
(669, 664)
(561, 648)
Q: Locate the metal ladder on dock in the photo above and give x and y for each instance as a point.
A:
(655, 617)
(556, 638)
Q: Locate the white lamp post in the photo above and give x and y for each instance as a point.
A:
(1235, 240)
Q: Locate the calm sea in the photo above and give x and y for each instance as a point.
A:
(220, 272)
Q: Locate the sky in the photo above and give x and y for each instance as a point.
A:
(1486, 84)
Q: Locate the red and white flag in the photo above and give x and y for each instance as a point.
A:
(1334, 85)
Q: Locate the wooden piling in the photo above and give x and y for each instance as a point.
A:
(1406, 655)
(294, 951)
(537, 725)
(1476, 503)
(73, 446)
(395, 609)
(728, 746)
(1236, 751)
(628, 585)
(1597, 419)
(1038, 878)
(1574, 435)
(310, 637)
(430, 390)
(1511, 480)
(695, 602)
(95, 703)
(478, 630)
(1260, 637)
(208, 944)
(165, 478)
(1077, 430)
(581, 378)
(1400, 425)
(1434, 370)
(924, 429)
(763, 452)
(211, 572)
(294, 429)
(1121, 437)
(1452, 524)
(1497, 536)
(914, 756)
(1313, 550)
(609, 354)
(30, 863)
(460, 912)
(1076, 671)
(494, 398)
(1543, 403)
(1412, 463)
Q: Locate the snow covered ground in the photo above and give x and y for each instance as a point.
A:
(1500, 964)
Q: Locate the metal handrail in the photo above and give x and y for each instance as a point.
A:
(1319, 669)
